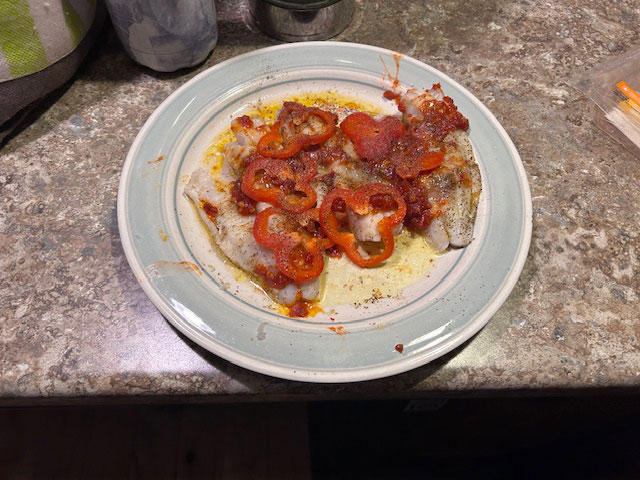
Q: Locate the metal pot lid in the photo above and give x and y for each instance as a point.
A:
(302, 4)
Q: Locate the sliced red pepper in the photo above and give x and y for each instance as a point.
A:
(330, 128)
(276, 145)
(272, 144)
(360, 202)
(294, 116)
(372, 139)
(298, 254)
(412, 167)
(279, 184)
(303, 224)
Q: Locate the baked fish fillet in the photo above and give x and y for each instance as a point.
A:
(232, 232)
(455, 185)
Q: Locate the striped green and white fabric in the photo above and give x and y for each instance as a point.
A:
(37, 33)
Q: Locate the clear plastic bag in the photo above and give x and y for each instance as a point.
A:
(618, 114)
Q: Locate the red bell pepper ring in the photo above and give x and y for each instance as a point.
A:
(272, 144)
(329, 120)
(275, 145)
(408, 168)
(372, 139)
(279, 184)
(361, 202)
(298, 254)
(294, 117)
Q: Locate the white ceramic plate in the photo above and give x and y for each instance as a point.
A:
(202, 297)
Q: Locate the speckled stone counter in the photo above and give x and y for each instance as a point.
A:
(75, 323)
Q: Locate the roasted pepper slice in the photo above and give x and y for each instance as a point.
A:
(288, 134)
(329, 120)
(372, 198)
(279, 184)
(297, 120)
(408, 167)
(272, 144)
(299, 255)
(373, 139)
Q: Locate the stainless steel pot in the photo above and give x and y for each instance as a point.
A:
(299, 20)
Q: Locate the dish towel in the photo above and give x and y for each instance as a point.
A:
(42, 44)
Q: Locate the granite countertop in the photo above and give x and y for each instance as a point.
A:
(75, 323)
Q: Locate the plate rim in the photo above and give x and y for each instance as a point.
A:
(343, 375)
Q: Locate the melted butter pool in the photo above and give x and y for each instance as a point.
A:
(346, 283)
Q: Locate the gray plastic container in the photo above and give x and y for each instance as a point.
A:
(165, 35)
